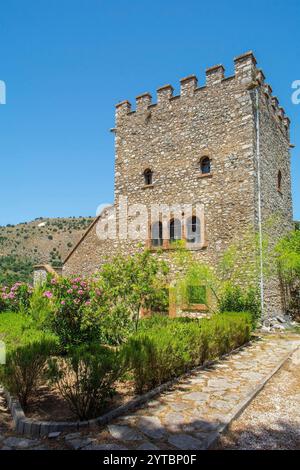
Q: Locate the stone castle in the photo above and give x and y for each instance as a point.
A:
(224, 145)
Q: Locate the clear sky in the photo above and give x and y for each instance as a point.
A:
(67, 62)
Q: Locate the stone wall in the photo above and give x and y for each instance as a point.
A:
(276, 203)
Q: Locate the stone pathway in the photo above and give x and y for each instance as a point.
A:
(184, 417)
(272, 419)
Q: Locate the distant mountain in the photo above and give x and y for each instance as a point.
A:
(44, 240)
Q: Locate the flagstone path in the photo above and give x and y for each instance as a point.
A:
(186, 417)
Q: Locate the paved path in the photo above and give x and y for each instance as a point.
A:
(187, 416)
(272, 420)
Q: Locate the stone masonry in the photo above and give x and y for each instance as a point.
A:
(236, 123)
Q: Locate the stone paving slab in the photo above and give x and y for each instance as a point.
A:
(188, 416)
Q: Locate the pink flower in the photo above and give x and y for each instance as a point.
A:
(88, 302)
(48, 294)
(53, 281)
(69, 291)
(63, 302)
(80, 292)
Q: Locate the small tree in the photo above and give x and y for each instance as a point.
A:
(288, 256)
(134, 282)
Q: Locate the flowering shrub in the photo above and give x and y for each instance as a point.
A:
(16, 297)
(74, 320)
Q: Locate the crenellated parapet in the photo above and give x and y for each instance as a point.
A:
(276, 110)
(246, 76)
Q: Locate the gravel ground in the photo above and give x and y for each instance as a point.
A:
(272, 420)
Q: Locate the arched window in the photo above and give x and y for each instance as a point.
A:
(148, 177)
(193, 230)
(205, 165)
(279, 181)
(174, 230)
(157, 234)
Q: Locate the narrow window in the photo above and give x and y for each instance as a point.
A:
(157, 234)
(148, 177)
(193, 230)
(205, 165)
(279, 181)
(174, 230)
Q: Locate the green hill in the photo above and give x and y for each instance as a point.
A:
(43, 240)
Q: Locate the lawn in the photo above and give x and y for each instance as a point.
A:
(17, 329)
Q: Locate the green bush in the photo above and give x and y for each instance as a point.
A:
(16, 297)
(75, 303)
(40, 309)
(24, 368)
(236, 299)
(86, 377)
(160, 352)
(115, 324)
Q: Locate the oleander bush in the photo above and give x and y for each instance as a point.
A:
(156, 354)
(74, 303)
(16, 297)
(85, 378)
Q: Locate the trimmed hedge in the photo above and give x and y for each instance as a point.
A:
(165, 348)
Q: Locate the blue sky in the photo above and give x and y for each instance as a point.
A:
(67, 62)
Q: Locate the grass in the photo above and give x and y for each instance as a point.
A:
(17, 329)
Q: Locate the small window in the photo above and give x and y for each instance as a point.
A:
(197, 294)
(279, 181)
(157, 234)
(205, 165)
(174, 230)
(148, 177)
(193, 230)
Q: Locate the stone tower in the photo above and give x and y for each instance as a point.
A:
(224, 146)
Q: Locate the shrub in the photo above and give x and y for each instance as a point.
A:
(236, 299)
(16, 297)
(288, 260)
(135, 282)
(24, 367)
(159, 353)
(40, 309)
(86, 377)
(75, 302)
(115, 324)
(3, 304)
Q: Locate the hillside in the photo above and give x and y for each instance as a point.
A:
(43, 240)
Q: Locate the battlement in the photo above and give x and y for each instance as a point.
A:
(246, 75)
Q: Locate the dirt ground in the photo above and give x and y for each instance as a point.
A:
(272, 420)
